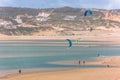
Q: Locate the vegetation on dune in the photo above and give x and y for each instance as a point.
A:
(100, 17)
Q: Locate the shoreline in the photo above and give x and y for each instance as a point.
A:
(96, 61)
(52, 42)
(30, 71)
(74, 72)
(69, 74)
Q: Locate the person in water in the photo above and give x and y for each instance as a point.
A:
(98, 55)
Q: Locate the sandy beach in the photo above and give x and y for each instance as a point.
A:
(77, 74)
(107, 73)
(98, 34)
(110, 36)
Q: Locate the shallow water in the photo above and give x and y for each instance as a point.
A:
(33, 56)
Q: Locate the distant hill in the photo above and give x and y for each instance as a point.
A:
(6, 12)
(57, 22)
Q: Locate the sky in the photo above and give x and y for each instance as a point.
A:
(101, 4)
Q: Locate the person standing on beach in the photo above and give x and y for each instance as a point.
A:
(91, 29)
(83, 62)
(79, 61)
(108, 66)
(20, 71)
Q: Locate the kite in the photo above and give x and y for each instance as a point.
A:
(88, 11)
(70, 42)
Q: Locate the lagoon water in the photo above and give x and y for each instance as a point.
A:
(32, 55)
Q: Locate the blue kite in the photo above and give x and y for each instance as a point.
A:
(70, 42)
(88, 11)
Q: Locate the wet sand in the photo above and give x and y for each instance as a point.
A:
(107, 73)
(113, 61)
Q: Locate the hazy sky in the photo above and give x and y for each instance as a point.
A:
(106, 4)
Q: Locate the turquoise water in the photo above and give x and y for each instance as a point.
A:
(35, 56)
